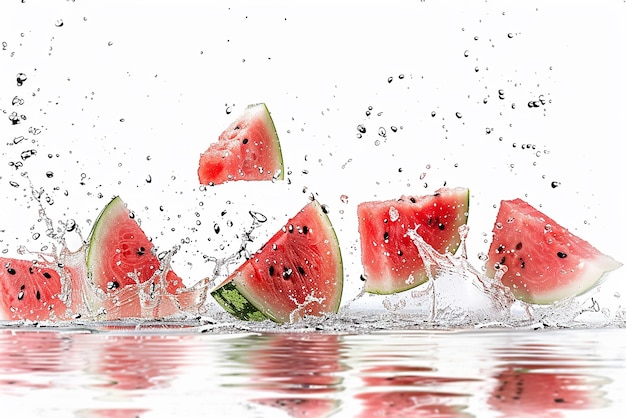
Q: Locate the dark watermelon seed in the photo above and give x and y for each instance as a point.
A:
(287, 273)
(30, 270)
(305, 229)
(500, 248)
(430, 220)
(245, 141)
(400, 253)
(22, 287)
(502, 260)
(301, 270)
(47, 275)
(522, 264)
(518, 246)
(38, 295)
(412, 199)
(141, 251)
(561, 254)
(113, 285)
(386, 236)
(441, 226)
(271, 270)
(11, 271)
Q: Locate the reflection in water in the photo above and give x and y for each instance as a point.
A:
(108, 365)
(410, 391)
(534, 380)
(143, 373)
(302, 371)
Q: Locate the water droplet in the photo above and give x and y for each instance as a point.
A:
(394, 215)
(382, 132)
(228, 110)
(58, 23)
(510, 35)
(361, 129)
(389, 80)
(555, 184)
(394, 129)
(433, 113)
(458, 115)
(49, 174)
(20, 78)
(28, 153)
(149, 179)
(466, 53)
(344, 198)
(257, 217)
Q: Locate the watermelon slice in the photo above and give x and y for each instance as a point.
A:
(544, 261)
(247, 150)
(122, 263)
(391, 260)
(39, 290)
(298, 272)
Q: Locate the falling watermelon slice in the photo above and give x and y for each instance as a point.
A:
(297, 273)
(544, 261)
(122, 263)
(391, 260)
(247, 150)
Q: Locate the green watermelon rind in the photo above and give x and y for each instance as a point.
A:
(422, 277)
(240, 301)
(269, 122)
(108, 214)
(236, 304)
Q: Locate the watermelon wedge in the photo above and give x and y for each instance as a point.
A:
(391, 261)
(122, 264)
(247, 150)
(544, 261)
(297, 273)
(39, 290)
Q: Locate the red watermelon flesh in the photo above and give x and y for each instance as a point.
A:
(297, 272)
(40, 290)
(122, 264)
(391, 261)
(544, 261)
(247, 150)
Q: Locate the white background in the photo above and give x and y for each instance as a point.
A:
(128, 91)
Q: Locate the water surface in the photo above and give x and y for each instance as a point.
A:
(155, 371)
